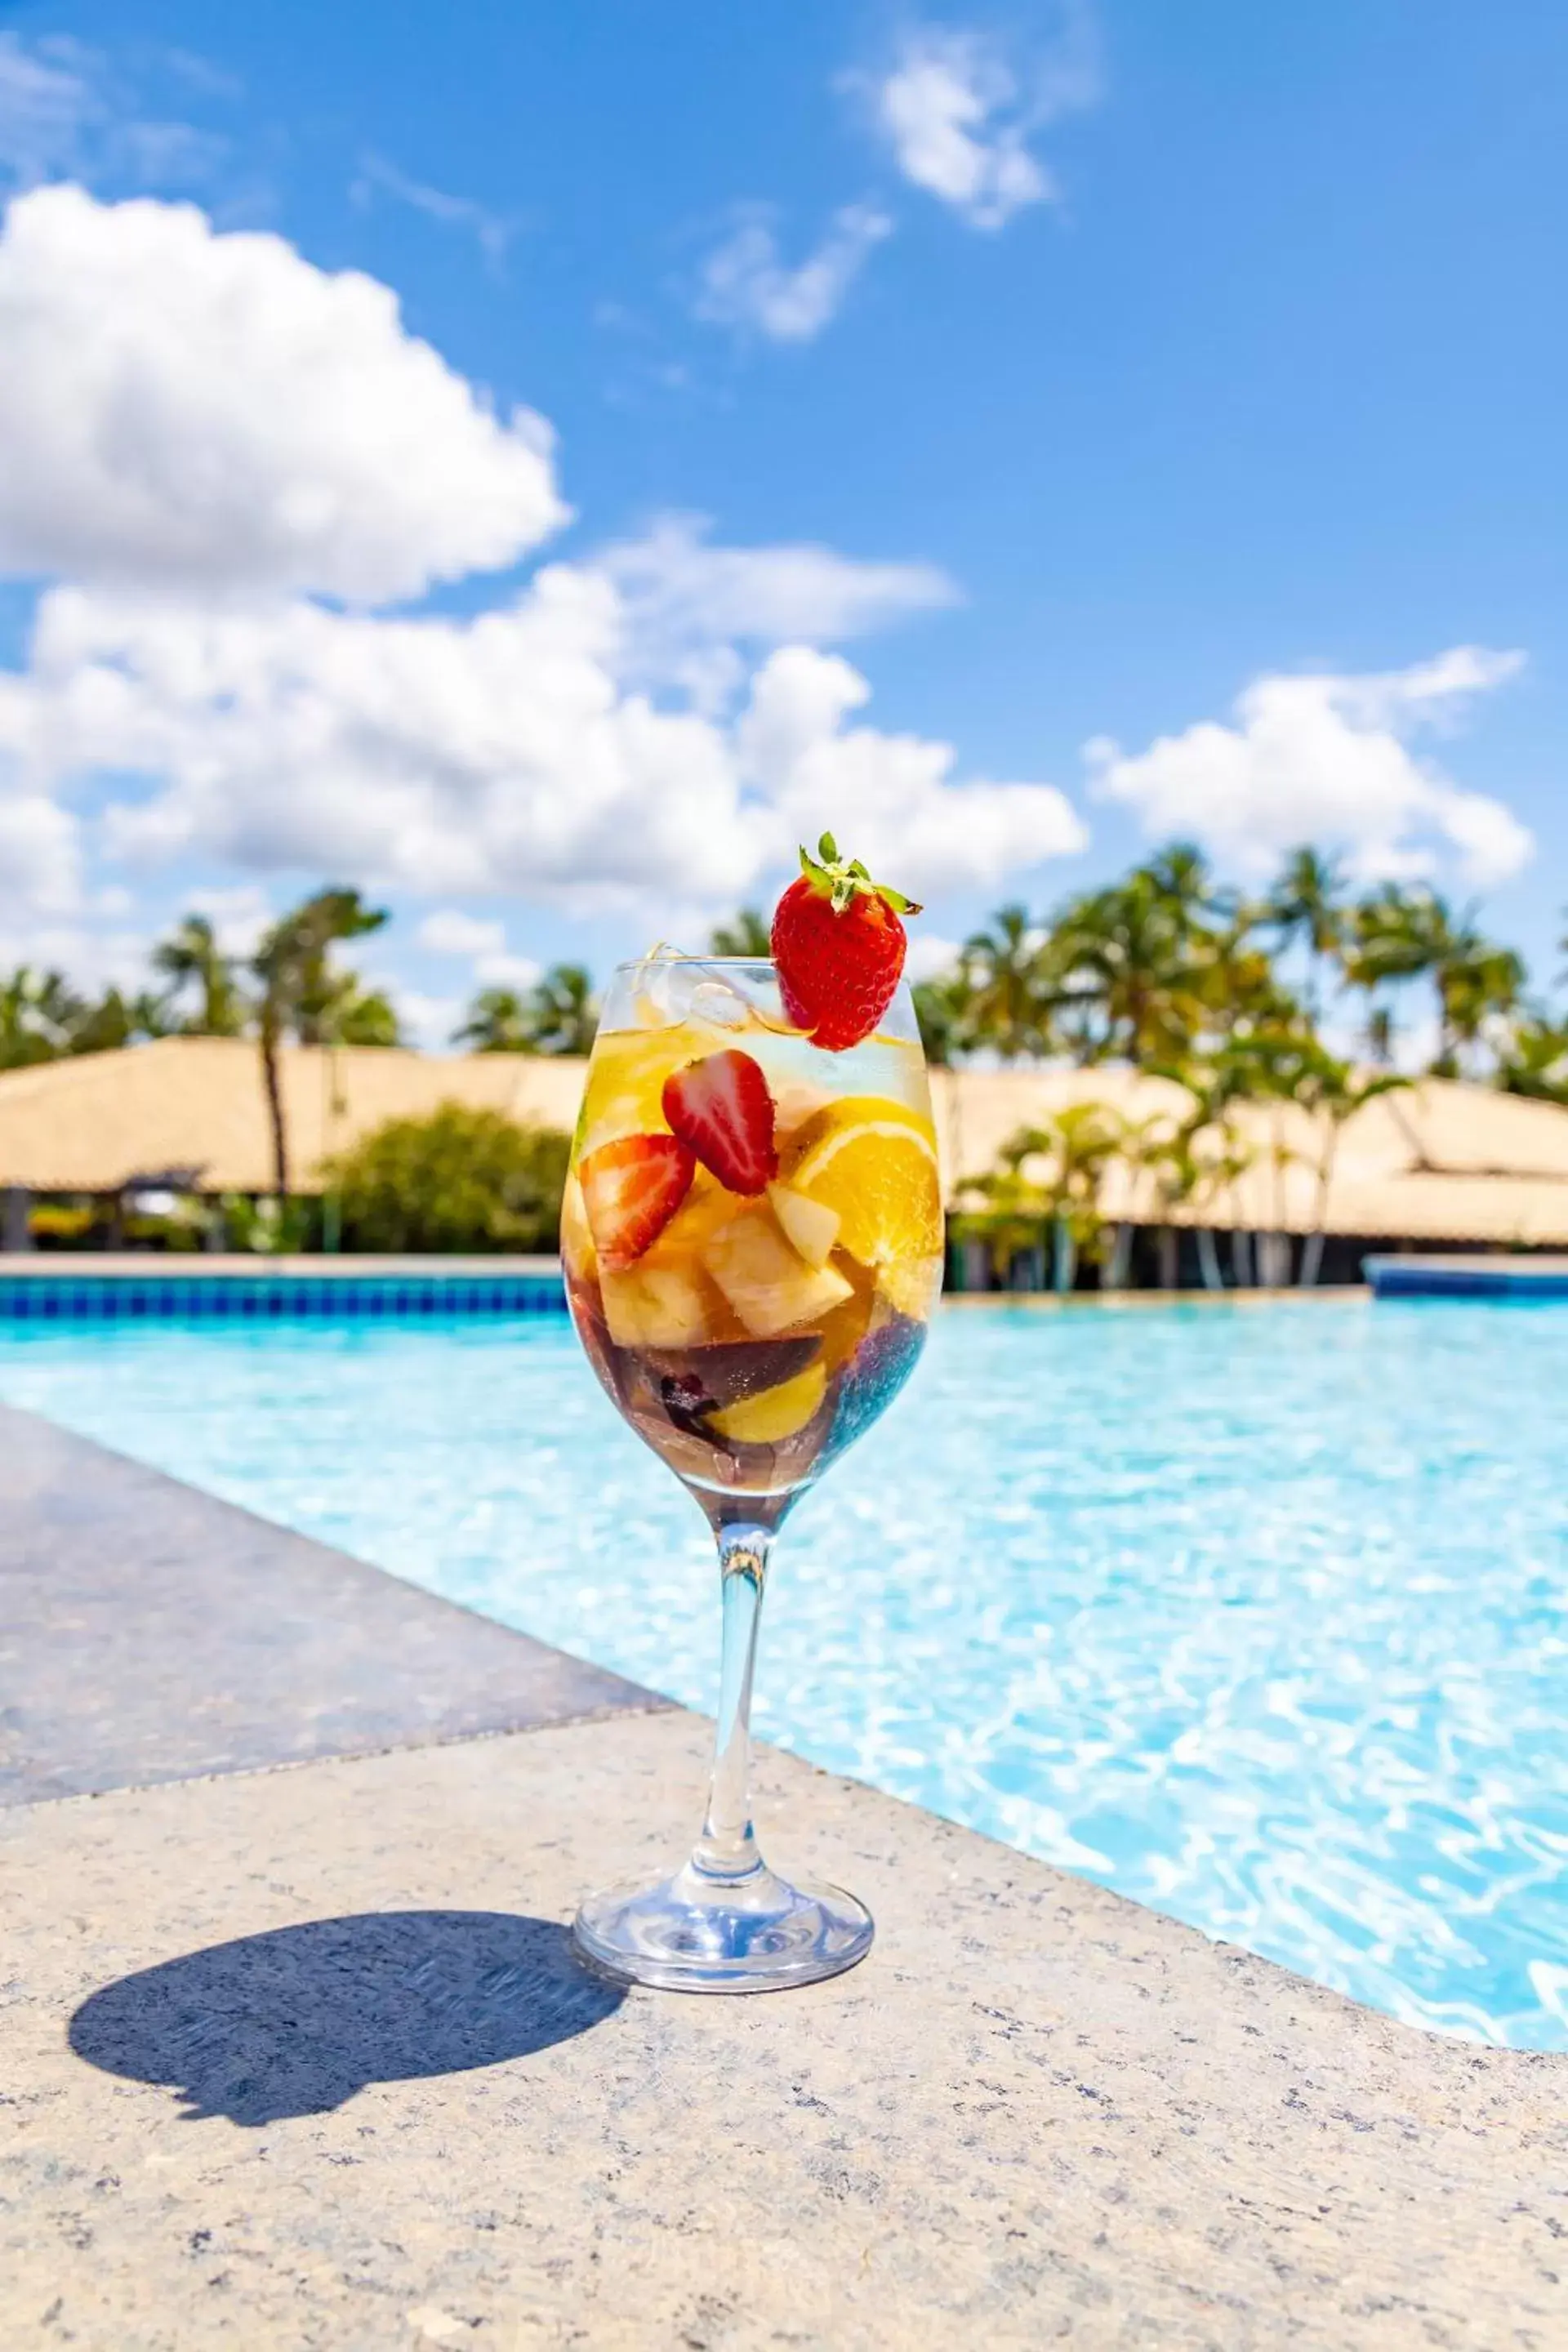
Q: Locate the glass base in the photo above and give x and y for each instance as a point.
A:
(695, 1933)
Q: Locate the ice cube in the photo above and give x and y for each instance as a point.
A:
(720, 1004)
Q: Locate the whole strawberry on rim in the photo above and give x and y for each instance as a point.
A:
(839, 946)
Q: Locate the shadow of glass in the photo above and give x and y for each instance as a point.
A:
(295, 2022)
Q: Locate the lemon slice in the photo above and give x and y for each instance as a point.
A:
(774, 1415)
(874, 1163)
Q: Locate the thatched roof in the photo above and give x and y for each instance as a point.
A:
(1432, 1161)
(93, 1123)
(1437, 1161)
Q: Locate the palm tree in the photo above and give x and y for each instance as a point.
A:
(40, 1013)
(1533, 1059)
(1238, 988)
(744, 934)
(1268, 1066)
(1306, 905)
(117, 1020)
(1001, 980)
(943, 1008)
(564, 1012)
(1331, 1091)
(356, 1015)
(1081, 1140)
(499, 1022)
(1227, 1166)
(1400, 935)
(1141, 1151)
(1182, 878)
(1380, 1034)
(329, 1004)
(1205, 1155)
(1048, 1178)
(558, 1014)
(191, 958)
(300, 992)
(1477, 986)
(1130, 971)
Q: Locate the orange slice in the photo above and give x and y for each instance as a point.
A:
(625, 1083)
(874, 1162)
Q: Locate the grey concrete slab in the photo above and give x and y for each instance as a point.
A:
(148, 1632)
(363, 2102)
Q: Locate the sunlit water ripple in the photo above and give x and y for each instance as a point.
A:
(1254, 1613)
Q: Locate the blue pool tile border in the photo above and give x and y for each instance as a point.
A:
(1413, 1277)
(351, 1297)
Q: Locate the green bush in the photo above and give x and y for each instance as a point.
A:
(459, 1179)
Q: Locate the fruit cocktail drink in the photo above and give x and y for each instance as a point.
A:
(751, 1231)
(752, 1243)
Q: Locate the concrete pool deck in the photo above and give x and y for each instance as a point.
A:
(297, 2055)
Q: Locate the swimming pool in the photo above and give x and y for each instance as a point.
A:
(1254, 1612)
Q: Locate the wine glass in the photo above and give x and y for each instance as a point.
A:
(752, 1293)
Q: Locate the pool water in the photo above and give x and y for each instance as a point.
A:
(1253, 1612)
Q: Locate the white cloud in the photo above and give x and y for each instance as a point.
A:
(893, 796)
(1328, 758)
(490, 232)
(426, 1021)
(447, 932)
(959, 117)
(746, 284)
(189, 703)
(685, 604)
(157, 431)
(40, 857)
(500, 754)
(64, 113)
(46, 102)
(238, 914)
(930, 956)
(507, 970)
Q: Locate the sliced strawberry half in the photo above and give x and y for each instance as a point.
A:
(720, 1108)
(631, 1188)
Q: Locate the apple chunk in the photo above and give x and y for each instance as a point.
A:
(765, 1282)
(811, 1226)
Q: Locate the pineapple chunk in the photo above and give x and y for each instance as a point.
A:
(763, 1279)
(811, 1226)
(774, 1415)
(658, 1306)
(705, 1208)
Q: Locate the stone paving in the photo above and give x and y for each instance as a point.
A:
(296, 2053)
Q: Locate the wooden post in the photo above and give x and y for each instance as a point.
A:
(1064, 1259)
(974, 1259)
(16, 1208)
(1170, 1243)
(1028, 1270)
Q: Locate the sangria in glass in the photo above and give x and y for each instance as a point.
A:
(753, 1245)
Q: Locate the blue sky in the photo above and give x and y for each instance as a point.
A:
(1112, 365)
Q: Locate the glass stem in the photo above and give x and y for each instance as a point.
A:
(727, 1850)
